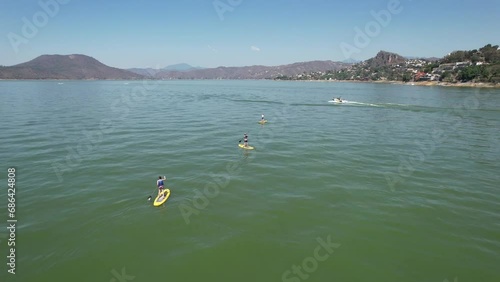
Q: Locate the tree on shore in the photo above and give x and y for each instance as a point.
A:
(407, 77)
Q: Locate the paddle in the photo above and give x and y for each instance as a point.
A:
(150, 196)
(240, 141)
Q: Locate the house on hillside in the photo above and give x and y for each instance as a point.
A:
(422, 76)
(415, 71)
(419, 76)
(444, 67)
(435, 77)
(459, 65)
(451, 66)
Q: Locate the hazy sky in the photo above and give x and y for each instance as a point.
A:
(208, 33)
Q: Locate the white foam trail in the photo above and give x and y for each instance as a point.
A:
(360, 103)
(368, 104)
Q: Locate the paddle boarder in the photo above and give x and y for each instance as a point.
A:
(245, 140)
(262, 118)
(159, 184)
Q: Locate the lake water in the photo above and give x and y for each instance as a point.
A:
(400, 184)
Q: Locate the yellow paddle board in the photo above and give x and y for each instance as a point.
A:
(246, 147)
(262, 121)
(160, 199)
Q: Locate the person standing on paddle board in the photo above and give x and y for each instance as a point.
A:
(245, 140)
(159, 184)
(262, 118)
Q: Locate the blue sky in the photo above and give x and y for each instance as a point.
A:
(211, 33)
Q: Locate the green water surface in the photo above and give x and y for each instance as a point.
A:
(399, 184)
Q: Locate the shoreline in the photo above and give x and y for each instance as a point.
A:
(418, 83)
(450, 84)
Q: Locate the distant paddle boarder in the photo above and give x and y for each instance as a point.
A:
(245, 140)
(262, 118)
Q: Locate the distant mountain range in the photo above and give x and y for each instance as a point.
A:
(251, 72)
(351, 61)
(85, 67)
(65, 67)
(181, 67)
(150, 72)
(480, 65)
(430, 59)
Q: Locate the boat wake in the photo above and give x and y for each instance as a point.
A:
(404, 107)
(346, 102)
